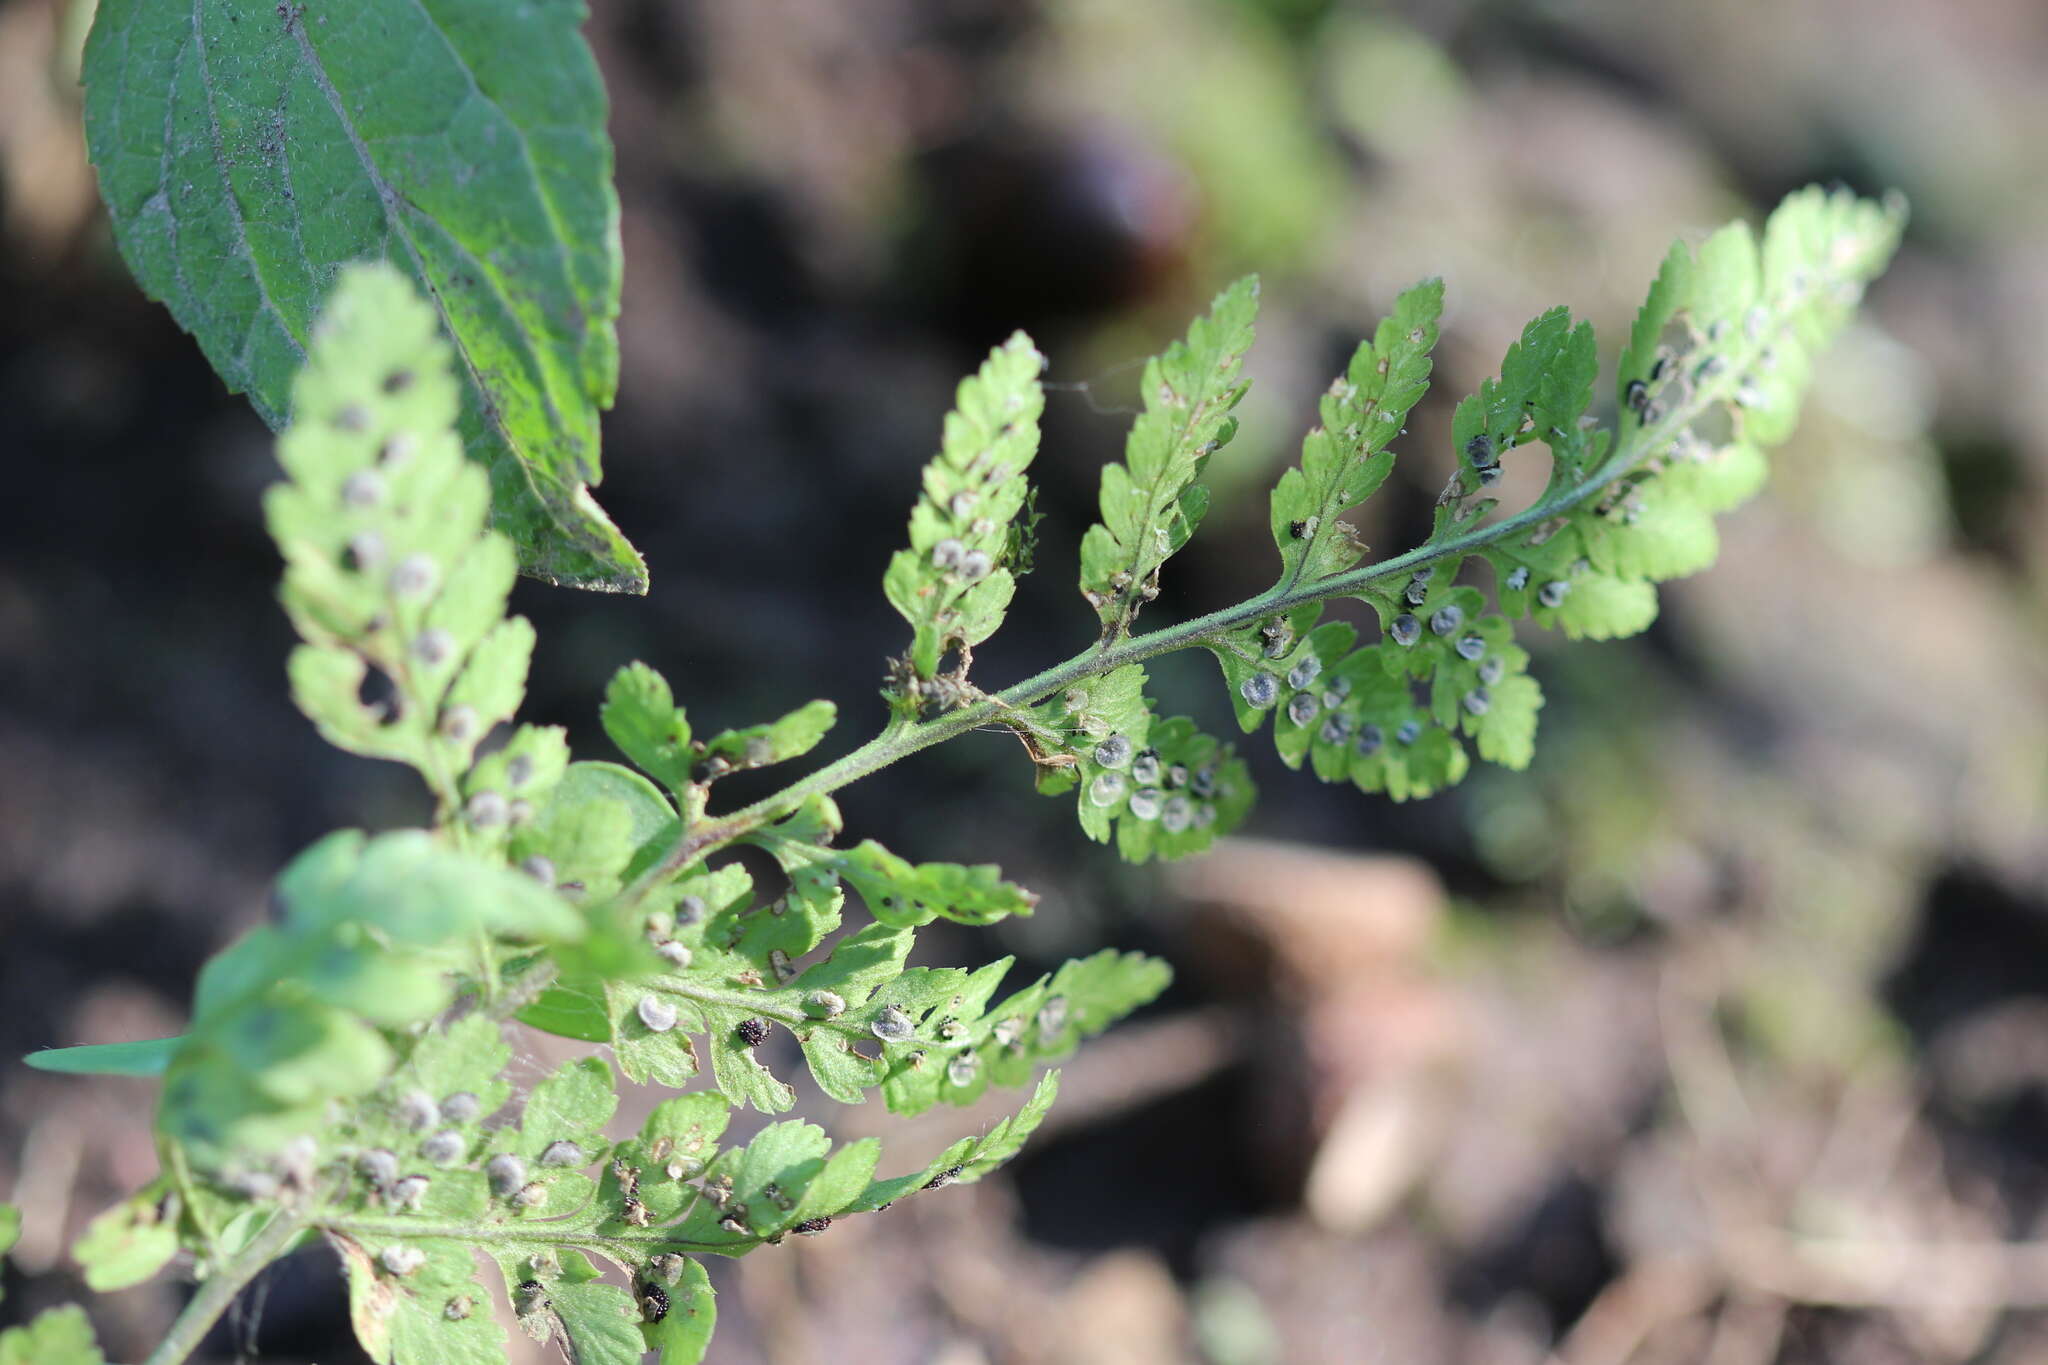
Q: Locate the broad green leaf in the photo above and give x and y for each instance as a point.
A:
(956, 579)
(147, 1057)
(1150, 503)
(57, 1336)
(247, 152)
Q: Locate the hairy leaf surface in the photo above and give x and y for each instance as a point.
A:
(248, 150)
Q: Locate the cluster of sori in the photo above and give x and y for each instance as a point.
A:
(1716, 364)
(956, 577)
(1156, 785)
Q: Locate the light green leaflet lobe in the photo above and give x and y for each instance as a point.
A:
(1151, 503)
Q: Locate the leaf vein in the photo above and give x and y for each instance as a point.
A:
(387, 196)
(233, 204)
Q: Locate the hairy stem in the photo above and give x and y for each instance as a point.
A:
(219, 1290)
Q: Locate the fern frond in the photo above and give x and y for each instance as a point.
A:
(1345, 459)
(296, 1015)
(345, 1063)
(662, 1199)
(896, 892)
(1151, 503)
(382, 522)
(955, 581)
(1713, 371)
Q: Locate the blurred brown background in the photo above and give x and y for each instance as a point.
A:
(1721, 1036)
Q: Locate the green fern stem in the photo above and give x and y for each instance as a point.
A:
(219, 1289)
(903, 738)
